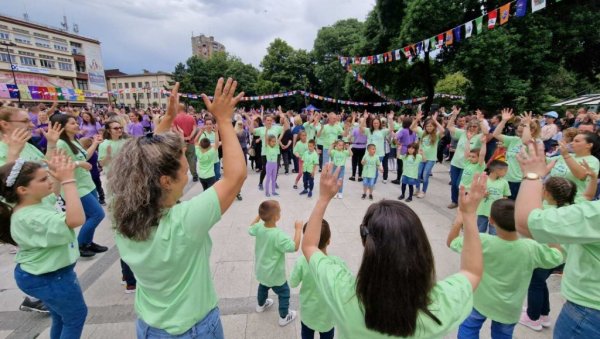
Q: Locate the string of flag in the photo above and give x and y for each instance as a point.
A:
(367, 85)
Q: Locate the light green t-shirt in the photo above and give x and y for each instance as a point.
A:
(578, 227)
(275, 131)
(377, 138)
(271, 246)
(206, 160)
(410, 167)
(459, 155)
(211, 136)
(309, 161)
(311, 130)
(271, 153)
(451, 301)
(174, 281)
(429, 148)
(28, 153)
(370, 166)
(330, 134)
(85, 184)
(339, 157)
(508, 268)
(469, 170)
(300, 148)
(313, 309)
(45, 242)
(115, 148)
(496, 189)
(561, 169)
(513, 147)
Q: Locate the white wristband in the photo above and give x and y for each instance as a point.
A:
(76, 163)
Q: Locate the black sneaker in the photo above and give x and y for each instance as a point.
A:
(102, 202)
(260, 187)
(96, 248)
(408, 199)
(295, 187)
(401, 197)
(363, 196)
(352, 179)
(239, 197)
(195, 179)
(86, 253)
(370, 196)
(29, 305)
(395, 182)
(359, 179)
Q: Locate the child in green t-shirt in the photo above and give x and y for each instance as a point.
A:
(474, 163)
(371, 164)
(310, 162)
(412, 159)
(300, 148)
(338, 154)
(206, 155)
(314, 312)
(271, 245)
(508, 264)
(496, 188)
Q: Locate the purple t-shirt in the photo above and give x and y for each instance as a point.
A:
(405, 137)
(33, 118)
(135, 129)
(89, 130)
(359, 139)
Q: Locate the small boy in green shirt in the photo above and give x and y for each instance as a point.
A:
(310, 161)
(271, 245)
(371, 164)
(314, 312)
(496, 188)
(508, 262)
(474, 163)
(206, 155)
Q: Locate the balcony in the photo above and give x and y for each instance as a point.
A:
(81, 75)
(79, 57)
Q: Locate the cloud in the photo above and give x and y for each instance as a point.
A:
(156, 35)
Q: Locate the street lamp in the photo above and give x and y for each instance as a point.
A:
(12, 66)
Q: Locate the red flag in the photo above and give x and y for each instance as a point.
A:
(492, 16)
(440, 39)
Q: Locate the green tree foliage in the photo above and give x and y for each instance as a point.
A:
(453, 83)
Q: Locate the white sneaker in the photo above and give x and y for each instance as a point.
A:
(268, 303)
(545, 321)
(340, 196)
(421, 195)
(384, 181)
(335, 196)
(288, 318)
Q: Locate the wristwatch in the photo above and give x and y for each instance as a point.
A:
(531, 176)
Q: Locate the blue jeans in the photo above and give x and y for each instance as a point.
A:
(93, 217)
(484, 226)
(61, 293)
(377, 171)
(577, 321)
(308, 181)
(514, 189)
(283, 292)
(209, 327)
(341, 176)
(309, 333)
(471, 326)
(217, 166)
(425, 169)
(325, 155)
(455, 175)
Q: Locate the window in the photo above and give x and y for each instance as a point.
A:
(153, 83)
(60, 47)
(127, 96)
(133, 85)
(40, 35)
(76, 48)
(4, 35)
(120, 86)
(46, 63)
(20, 30)
(142, 105)
(80, 66)
(47, 57)
(82, 84)
(63, 66)
(146, 84)
(42, 43)
(140, 84)
(5, 58)
(113, 85)
(121, 96)
(126, 85)
(147, 95)
(164, 106)
(155, 95)
(27, 61)
(27, 53)
(23, 39)
(63, 59)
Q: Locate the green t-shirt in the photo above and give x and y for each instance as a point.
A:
(370, 166)
(496, 189)
(578, 227)
(275, 131)
(451, 301)
(211, 136)
(339, 157)
(508, 268)
(271, 153)
(429, 148)
(174, 281)
(45, 242)
(309, 161)
(313, 309)
(377, 138)
(206, 160)
(561, 169)
(469, 170)
(311, 130)
(271, 246)
(513, 147)
(459, 155)
(28, 153)
(300, 148)
(330, 134)
(410, 167)
(85, 184)
(115, 148)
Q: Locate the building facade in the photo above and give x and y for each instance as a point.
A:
(49, 63)
(205, 46)
(137, 90)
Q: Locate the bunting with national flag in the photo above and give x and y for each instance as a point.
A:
(536, 5)
(504, 13)
(521, 8)
(449, 38)
(492, 16)
(468, 29)
(479, 24)
(457, 34)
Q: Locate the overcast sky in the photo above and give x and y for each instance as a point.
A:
(155, 34)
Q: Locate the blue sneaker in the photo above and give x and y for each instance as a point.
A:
(310, 194)
(275, 194)
(260, 187)
(303, 192)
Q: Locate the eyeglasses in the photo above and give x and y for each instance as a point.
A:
(24, 121)
(116, 128)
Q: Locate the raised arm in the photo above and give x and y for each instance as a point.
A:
(451, 123)
(439, 127)
(482, 152)
(217, 141)
(507, 114)
(471, 260)
(222, 107)
(592, 185)
(415, 123)
(63, 170)
(576, 168)
(485, 128)
(172, 107)
(526, 120)
(97, 140)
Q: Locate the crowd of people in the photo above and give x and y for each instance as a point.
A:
(525, 188)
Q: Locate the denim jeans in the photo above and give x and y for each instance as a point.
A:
(209, 327)
(455, 175)
(217, 166)
(576, 321)
(377, 170)
(61, 293)
(308, 181)
(341, 177)
(283, 292)
(93, 217)
(471, 326)
(325, 155)
(484, 226)
(309, 333)
(514, 189)
(425, 169)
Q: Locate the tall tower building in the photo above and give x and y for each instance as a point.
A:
(204, 46)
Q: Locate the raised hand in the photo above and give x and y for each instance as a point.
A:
(223, 101)
(590, 172)
(16, 140)
(468, 203)
(527, 117)
(564, 149)
(173, 104)
(480, 115)
(98, 139)
(435, 116)
(419, 116)
(455, 110)
(535, 160)
(329, 185)
(61, 167)
(53, 134)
